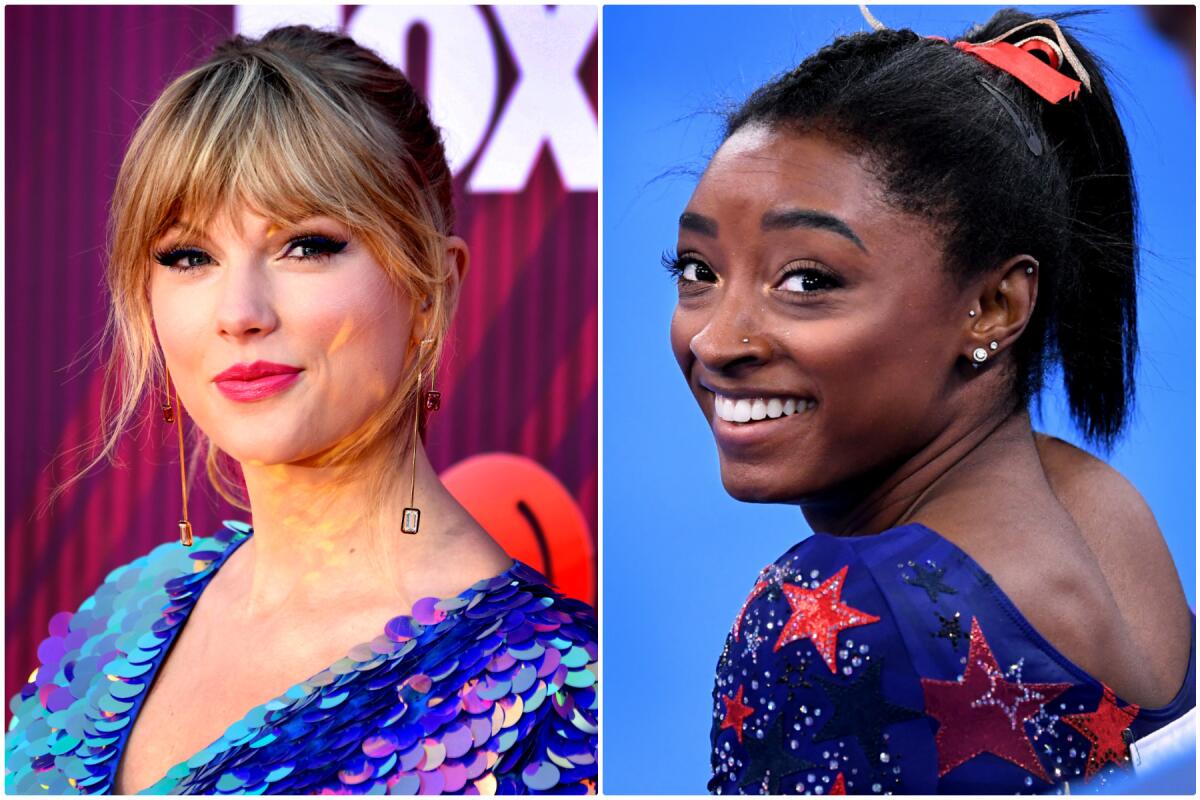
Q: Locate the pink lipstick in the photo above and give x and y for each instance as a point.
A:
(247, 383)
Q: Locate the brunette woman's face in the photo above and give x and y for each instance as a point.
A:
(816, 325)
(281, 340)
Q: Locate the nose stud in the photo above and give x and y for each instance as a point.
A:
(745, 341)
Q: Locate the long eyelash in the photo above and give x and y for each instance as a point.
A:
(832, 280)
(327, 245)
(170, 256)
(672, 264)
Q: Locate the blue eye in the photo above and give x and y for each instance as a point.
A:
(170, 258)
(315, 247)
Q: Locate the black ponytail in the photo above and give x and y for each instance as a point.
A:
(998, 171)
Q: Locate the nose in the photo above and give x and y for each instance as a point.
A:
(245, 307)
(733, 336)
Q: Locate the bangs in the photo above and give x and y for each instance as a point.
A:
(244, 134)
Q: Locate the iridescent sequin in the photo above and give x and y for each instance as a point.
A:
(489, 692)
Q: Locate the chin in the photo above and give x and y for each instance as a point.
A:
(288, 437)
(264, 450)
(258, 456)
(759, 485)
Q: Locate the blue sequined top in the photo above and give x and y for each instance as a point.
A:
(491, 691)
(894, 663)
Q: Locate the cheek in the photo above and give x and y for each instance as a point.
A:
(841, 353)
(885, 368)
(365, 331)
(684, 327)
(180, 320)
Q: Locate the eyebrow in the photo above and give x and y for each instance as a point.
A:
(698, 223)
(182, 230)
(808, 218)
(189, 230)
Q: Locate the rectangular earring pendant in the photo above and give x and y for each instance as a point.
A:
(185, 533)
(411, 520)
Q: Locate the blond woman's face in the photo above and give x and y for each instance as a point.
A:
(281, 340)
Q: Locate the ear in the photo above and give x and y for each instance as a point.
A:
(456, 260)
(1003, 306)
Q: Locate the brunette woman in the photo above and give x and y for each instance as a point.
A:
(893, 246)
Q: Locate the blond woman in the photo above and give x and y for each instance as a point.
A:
(283, 269)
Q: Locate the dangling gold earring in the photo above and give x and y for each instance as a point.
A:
(169, 416)
(429, 401)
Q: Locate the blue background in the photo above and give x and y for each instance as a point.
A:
(679, 555)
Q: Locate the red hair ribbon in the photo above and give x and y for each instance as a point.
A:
(1019, 61)
(1047, 82)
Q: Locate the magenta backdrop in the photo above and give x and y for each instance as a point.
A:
(520, 375)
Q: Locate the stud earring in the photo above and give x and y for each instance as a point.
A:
(410, 522)
(745, 341)
(994, 345)
(169, 416)
(979, 355)
(971, 313)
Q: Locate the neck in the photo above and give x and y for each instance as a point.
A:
(897, 494)
(322, 537)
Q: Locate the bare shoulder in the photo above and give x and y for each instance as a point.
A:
(1097, 496)
(1119, 528)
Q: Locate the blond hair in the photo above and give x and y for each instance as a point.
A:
(296, 124)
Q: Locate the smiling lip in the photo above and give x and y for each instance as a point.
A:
(246, 383)
(749, 418)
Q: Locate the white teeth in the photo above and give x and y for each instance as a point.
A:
(759, 408)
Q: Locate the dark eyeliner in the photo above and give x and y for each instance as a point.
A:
(328, 245)
(170, 256)
(325, 245)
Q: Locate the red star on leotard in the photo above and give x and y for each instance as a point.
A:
(819, 615)
(839, 785)
(759, 588)
(1105, 729)
(735, 713)
(983, 712)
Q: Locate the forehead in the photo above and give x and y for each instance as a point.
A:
(760, 169)
(240, 219)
